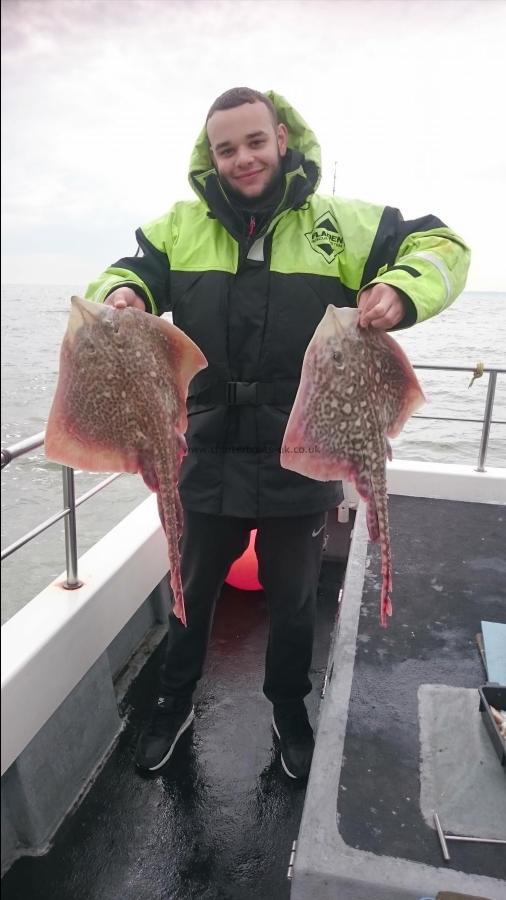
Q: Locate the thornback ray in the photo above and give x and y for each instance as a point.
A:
(357, 389)
(120, 405)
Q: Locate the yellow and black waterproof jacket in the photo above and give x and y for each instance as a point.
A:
(252, 304)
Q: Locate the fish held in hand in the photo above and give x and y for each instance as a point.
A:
(357, 389)
(120, 405)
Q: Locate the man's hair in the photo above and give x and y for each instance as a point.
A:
(239, 95)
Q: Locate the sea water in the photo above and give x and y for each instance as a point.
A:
(34, 321)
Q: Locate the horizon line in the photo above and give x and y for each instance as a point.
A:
(59, 284)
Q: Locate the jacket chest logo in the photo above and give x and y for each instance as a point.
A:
(325, 237)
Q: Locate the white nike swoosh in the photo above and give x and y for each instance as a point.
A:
(316, 533)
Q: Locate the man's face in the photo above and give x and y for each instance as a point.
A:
(246, 147)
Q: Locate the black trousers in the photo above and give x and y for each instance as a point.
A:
(289, 551)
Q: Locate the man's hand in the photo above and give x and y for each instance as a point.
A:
(380, 306)
(123, 297)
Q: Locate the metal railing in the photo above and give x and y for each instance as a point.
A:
(70, 503)
(487, 421)
(68, 512)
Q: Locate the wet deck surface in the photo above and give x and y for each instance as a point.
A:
(438, 609)
(219, 821)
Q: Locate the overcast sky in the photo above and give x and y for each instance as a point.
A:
(102, 101)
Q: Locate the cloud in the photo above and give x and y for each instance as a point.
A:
(103, 99)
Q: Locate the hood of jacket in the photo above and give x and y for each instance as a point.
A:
(301, 167)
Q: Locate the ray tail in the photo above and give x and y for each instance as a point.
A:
(171, 515)
(379, 529)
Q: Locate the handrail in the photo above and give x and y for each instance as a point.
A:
(71, 504)
(442, 368)
(487, 418)
(56, 518)
(22, 447)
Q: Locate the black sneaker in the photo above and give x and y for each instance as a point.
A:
(168, 722)
(291, 724)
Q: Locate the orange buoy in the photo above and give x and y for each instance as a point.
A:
(243, 573)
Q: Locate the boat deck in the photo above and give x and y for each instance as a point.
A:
(441, 621)
(220, 819)
(400, 732)
(396, 738)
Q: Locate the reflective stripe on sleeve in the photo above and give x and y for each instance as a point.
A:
(438, 263)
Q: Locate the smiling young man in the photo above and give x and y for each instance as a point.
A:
(247, 270)
(247, 146)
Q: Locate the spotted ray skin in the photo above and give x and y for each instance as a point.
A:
(357, 389)
(120, 405)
